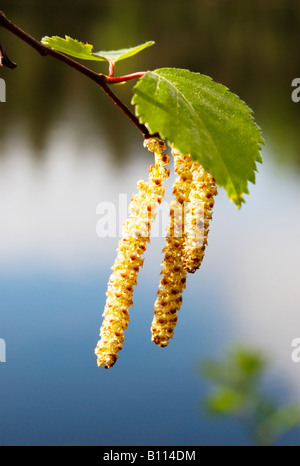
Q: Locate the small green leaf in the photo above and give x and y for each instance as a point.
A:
(117, 55)
(203, 118)
(273, 424)
(285, 419)
(224, 401)
(78, 49)
(248, 362)
(70, 46)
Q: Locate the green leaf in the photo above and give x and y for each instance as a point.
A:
(203, 118)
(70, 46)
(242, 369)
(272, 425)
(224, 401)
(117, 55)
(78, 49)
(249, 363)
(285, 419)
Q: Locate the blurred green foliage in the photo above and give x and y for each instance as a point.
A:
(250, 47)
(238, 391)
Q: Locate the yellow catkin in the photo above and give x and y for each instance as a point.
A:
(198, 214)
(173, 281)
(136, 235)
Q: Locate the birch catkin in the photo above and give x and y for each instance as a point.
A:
(136, 235)
(173, 281)
(197, 217)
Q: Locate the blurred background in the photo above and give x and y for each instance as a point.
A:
(64, 148)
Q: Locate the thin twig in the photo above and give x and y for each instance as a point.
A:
(4, 60)
(99, 78)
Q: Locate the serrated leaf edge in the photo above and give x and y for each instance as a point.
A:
(238, 197)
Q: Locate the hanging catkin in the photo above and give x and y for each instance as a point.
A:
(198, 214)
(173, 281)
(136, 235)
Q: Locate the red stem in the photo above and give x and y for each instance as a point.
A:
(111, 69)
(127, 77)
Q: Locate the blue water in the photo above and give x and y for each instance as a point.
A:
(52, 392)
(53, 277)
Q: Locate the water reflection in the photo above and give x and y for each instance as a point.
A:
(249, 46)
(54, 270)
(63, 148)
